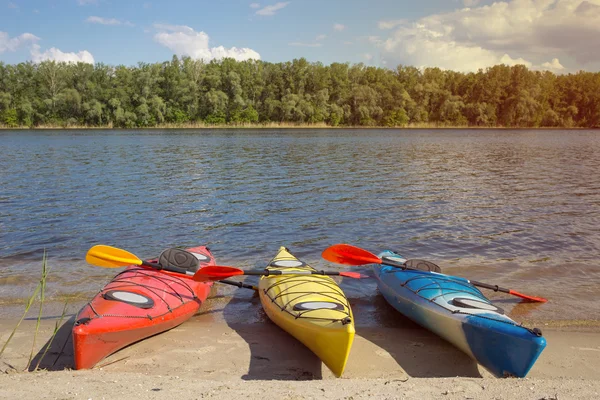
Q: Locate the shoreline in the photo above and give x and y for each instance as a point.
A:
(13, 310)
(284, 127)
(210, 357)
(53, 309)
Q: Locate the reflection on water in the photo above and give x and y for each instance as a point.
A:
(515, 208)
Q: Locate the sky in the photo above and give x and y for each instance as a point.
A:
(463, 35)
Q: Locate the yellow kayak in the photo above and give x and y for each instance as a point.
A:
(311, 308)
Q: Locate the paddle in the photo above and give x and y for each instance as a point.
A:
(352, 255)
(112, 257)
(215, 273)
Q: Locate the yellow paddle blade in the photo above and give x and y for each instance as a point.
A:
(111, 257)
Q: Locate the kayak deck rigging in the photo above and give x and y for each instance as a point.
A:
(332, 292)
(166, 280)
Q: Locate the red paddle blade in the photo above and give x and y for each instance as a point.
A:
(355, 275)
(349, 255)
(526, 297)
(216, 273)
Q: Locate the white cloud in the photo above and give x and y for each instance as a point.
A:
(368, 56)
(391, 23)
(270, 10)
(316, 43)
(470, 3)
(553, 65)
(302, 44)
(374, 39)
(422, 48)
(508, 60)
(86, 2)
(57, 55)
(185, 41)
(107, 21)
(254, 5)
(12, 44)
(103, 21)
(173, 28)
(339, 27)
(523, 31)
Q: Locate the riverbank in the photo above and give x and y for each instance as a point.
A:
(275, 125)
(209, 358)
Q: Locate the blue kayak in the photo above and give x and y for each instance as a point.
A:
(458, 312)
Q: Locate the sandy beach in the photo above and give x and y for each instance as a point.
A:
(207, 357)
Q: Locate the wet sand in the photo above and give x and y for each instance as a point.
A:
(207, 357)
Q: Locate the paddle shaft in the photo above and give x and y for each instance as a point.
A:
(169, 268)
(267, 272)
(496, 288)
(352, 255)
(218, 272)
(238, 284)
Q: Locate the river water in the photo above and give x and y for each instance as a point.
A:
(517, 208)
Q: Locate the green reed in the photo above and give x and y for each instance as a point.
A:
(30, 301)
(41, 290)
(42, 298)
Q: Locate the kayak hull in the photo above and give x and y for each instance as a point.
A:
(458, 312)
(311, 308)
(138, 303)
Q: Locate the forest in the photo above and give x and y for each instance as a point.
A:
(186, 91)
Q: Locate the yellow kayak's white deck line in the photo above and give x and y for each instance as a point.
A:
(311, 308)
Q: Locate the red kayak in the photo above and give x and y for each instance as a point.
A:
(138, 303)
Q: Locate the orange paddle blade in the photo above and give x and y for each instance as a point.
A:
(349, 255)
(354, 275)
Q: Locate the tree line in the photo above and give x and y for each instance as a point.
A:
(184, 91)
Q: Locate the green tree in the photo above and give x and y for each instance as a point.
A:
(228, 91)
(93, 112)
(396, 118)
(9, 117)
(52, 76)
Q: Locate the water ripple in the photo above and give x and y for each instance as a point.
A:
(513, 206)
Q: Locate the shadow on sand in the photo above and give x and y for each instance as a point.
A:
(274, 354)
(420, 353)
(58, 351)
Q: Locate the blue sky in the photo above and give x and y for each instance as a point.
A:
(453, 34)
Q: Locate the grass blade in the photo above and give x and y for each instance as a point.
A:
(27, 307)
(42, 298)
